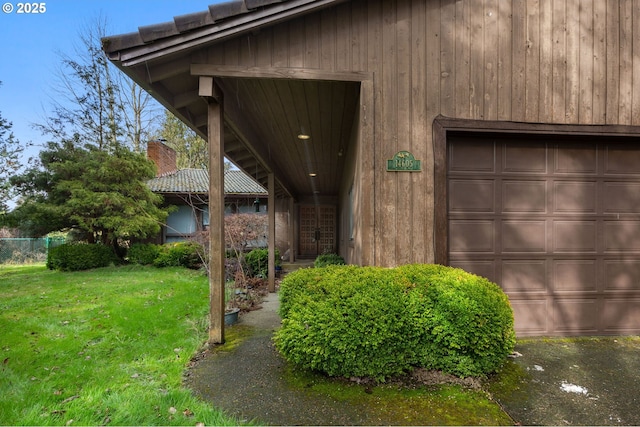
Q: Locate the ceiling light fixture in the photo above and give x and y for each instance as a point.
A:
(313, 174)
(303, 135)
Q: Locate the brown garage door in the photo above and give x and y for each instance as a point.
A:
(556, 223)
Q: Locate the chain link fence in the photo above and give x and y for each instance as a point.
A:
(27, 250)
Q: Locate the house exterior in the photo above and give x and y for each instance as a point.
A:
(501, 136)
(188, 189)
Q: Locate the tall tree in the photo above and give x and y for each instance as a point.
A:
(10, 150)
(102, 194)
(141, 112)
(93, 102)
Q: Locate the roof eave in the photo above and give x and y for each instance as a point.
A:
(132, 49)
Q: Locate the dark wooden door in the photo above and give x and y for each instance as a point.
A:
(317, 234)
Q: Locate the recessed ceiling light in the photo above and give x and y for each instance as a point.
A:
(303, 134)
(312, 174)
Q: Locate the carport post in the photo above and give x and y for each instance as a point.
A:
(271, 264)
(215, 122)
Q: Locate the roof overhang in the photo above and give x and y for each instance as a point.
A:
(265, 108)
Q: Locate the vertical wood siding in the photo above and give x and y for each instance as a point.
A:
(541, 61)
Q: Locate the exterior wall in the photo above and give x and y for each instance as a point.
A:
(556, 62)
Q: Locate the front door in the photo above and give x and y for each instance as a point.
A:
(317, 230)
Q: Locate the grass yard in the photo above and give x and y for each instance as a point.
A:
(101, 347)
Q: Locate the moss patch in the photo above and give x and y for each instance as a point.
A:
(509, 382)
(442, 404)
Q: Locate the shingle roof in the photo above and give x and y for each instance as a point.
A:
(216, 15)
(238, 182)
(196, 181)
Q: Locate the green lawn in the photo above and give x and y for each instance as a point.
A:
(106, 346)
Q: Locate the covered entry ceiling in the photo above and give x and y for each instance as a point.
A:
(555, 221)
(263, 119)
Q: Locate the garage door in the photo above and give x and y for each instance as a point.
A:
(556, 223)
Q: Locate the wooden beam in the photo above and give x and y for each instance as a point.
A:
(271, 211)
(205, 88)
(216, 221)
(185, 99)
(278, 73)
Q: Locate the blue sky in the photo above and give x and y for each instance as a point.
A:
(29, 44)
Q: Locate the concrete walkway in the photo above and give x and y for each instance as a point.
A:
(248, 381)
(550, 382)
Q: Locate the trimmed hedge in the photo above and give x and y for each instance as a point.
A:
(180, 254)
(143, 253)
(328, 259)
(80, 256)
(377, 322)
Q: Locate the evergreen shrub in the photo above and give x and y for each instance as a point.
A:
(143, 253)
(377, 322)
(258, 262)
(180, 254)
(328, 259)
(80, 256)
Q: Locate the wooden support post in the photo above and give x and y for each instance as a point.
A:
(292, 230)
(216, 220)
(271, 210)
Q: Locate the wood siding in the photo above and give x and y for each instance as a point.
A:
(538, 61)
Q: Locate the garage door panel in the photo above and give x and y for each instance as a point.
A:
(575, 236)
(575, 275)
(621, 236)
(572, 197)
(472, 236)
(524, 196)
(621, 315)
(575, 315)
(481, 268)
(621, 160)
(531, 316)
(524, 275)
(530, 159)
(472, 196)
(621, 197)
(576, 158)
(622, 275)
(471, 157)
(524, 236)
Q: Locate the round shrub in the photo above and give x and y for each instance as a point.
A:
(143, 253)
(377, 322)
(258, 262)
(470, 320)
(328, 259)
(180, 254)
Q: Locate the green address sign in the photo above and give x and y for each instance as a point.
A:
(404, 161)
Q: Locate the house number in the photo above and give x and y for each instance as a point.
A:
(403, 161)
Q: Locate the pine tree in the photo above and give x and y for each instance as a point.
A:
(103, 195)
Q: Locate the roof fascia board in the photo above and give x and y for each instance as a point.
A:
(226, 29)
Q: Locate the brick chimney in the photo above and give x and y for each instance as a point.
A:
(163, 156)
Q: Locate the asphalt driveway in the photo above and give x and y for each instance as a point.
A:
(586, 381)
